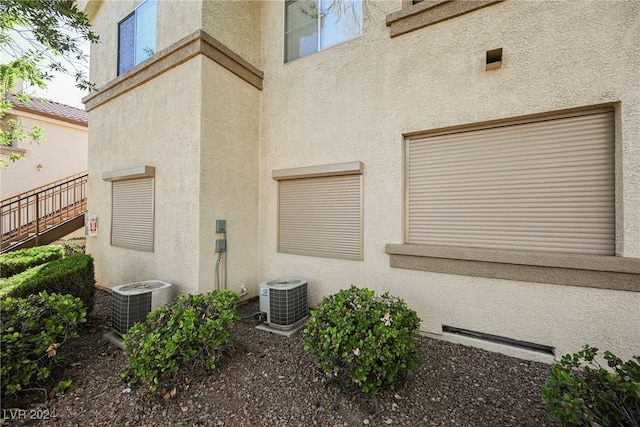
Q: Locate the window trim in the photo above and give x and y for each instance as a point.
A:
(429, 12)
(319, 49)
(348, 168)
(8, 149)
(592, 271)
(129, 173)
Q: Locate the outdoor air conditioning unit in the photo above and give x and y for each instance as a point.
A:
(285, 302)
(131, 303)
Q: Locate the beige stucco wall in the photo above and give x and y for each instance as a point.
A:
(229, 176)
(197, 124)
(356, 101)
(64, 153)
(176, 18)
(215, 141)
(236, 24)
(146, 127)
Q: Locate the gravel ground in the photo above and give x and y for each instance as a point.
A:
(269, 380)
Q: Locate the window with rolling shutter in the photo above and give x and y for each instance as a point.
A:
(544, 185)
(322, 215)
(132, 214)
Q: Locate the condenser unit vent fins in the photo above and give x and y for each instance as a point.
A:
(288, 306)
(285, 302)
(128, 309)
(131, 303)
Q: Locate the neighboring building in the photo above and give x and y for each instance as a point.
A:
(63, 152)
(477, 158)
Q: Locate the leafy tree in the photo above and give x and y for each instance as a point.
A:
(41, 37)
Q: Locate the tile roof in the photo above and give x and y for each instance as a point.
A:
(51, 109)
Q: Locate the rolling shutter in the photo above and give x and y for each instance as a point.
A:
(132, 214)
(546, 185)
(321, 217)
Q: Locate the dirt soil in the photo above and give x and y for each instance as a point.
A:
(269, 380)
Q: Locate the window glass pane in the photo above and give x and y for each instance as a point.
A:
(301, 29)
(145, 30)
(341, 21)
(126, 43)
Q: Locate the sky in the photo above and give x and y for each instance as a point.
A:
(62, 89)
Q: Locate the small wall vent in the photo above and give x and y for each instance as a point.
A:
(494, 59)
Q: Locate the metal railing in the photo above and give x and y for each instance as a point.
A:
(31, 213)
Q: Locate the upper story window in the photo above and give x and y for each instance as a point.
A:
(8, 126)
(137, 36)
(313, 25)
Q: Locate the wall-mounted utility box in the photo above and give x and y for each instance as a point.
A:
(221, 225)
(221, 245)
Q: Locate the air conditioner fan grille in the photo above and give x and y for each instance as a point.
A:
(288, 306)
(128, 309)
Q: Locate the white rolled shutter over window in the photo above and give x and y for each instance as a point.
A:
(132, 214)
(321, 217)
(320, 210)
(546, 185)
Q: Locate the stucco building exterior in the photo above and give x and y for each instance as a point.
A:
(477, 158)
(62, 153)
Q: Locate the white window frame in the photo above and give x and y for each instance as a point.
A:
(137, 59)
(319, 47)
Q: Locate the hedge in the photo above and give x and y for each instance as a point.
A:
(33, 333)
(73, 275)
(16, 262)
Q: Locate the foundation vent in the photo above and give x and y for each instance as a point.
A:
(522, 345)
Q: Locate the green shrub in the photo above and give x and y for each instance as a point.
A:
(191, 332)
(33, 333)
(579, 391)
(16, 262)
(368, 340)
(76, 245)
(73, 275)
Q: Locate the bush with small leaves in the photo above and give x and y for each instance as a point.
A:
(76, 245)
(33, 333)
(369, 341)
(191, 333)
(580, 392)
(72, 275)
(16, 262)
